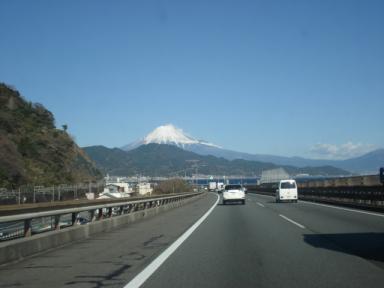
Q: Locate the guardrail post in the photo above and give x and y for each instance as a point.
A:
(109, 212)
(27, 228)
(74, 217)
(92, 215)
(100, 214)
(57, 222)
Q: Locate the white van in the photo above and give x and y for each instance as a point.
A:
(287, 191)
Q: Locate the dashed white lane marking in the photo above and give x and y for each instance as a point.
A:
(261, 205)
(293, 222)
(345, 209)
(155, 264)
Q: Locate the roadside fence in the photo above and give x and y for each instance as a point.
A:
(38, 194)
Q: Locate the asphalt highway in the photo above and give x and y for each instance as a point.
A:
(260, 244)
(265, 244)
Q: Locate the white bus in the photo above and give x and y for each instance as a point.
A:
(287, 191)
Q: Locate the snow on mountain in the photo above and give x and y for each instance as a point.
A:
(169, 134)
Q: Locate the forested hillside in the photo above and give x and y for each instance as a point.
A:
(33, 150)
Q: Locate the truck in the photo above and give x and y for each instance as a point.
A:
(212, 186)
(220, 187)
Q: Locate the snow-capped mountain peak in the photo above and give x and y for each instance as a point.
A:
(169, 134)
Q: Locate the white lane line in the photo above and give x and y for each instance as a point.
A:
(341, 208)
(293, 222)
(261, 195)
(261, 205)
(155, 264)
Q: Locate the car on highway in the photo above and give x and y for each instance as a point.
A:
(233, 193)
(287, 191)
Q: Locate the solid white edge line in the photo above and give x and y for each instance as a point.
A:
(140, 278)
(261, 205)
(293, 222)
(341, 208)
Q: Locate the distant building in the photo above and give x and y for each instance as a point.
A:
(119, 187)
(273, 175)
(116, 190)
(144, 188)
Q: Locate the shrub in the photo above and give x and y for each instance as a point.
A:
(172, 186)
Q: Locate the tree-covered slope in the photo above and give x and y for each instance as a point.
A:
(32, 150)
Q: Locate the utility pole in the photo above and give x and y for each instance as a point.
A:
(194, 165)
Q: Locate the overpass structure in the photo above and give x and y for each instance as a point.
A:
(205, 244)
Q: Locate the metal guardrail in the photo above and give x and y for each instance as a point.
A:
(27, 224)
(360, 191)
(359, 196)
(354, 181)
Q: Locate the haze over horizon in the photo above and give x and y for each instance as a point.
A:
(290, 78)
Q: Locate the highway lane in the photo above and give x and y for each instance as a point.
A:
(106, 260)
(352, 231)
(265, 244)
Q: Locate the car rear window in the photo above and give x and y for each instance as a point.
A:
(232, 187)
(288, 185)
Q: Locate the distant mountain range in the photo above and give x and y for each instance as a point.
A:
(367, 163)
(169, 134)
(169, 160)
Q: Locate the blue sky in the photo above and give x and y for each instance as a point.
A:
(282, 77)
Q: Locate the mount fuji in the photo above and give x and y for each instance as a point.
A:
(171, 135)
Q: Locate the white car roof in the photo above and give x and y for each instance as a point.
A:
(289, 180)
